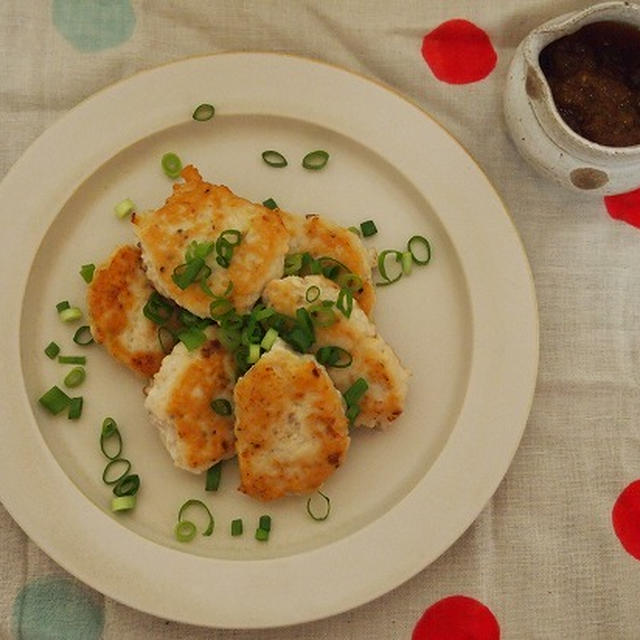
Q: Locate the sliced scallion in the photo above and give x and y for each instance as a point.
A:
(185, 531)
(86, 271)
(83, 336)
(254, 353)
(171, 165)
(203, 112)
(192, 338)
(265, 522)
(270, 203)
(368, 228)
(61, 306)
(269, 339)
(158, 309)
(127, 485)
(70, 314)
(117, 462)
(185, 274)
(407, 262)
(351, 281)
(354, 230)
(198, 503)
(319, 517)
(123, 503)
(236, 527)
(222, 406)
(382, 266)
(55, 400)
(315, 160)
(214, 474)
(274, 158)
(262, 534)
(353, 394)
(412, 246)
(332, 356)
(72, 359)
(166, 339)
(345, 302)
(52, 350)
(124, 208)
(312, 293)
(75, 377)
(110, 431)
(322, 314)
(75, 408)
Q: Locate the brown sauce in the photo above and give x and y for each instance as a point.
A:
(594, 76)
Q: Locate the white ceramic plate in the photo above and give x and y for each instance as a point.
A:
(466, 326)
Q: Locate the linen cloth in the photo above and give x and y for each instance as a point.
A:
(542, 555)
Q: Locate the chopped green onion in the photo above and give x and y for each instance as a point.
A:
(219, 307)
(55, 400)
(185, 274)
(75, 408)
(231, 233)
(158, 309)
(382, 268)
(128, 485)
(315, 160)
(353, 394)
(236, 527)
(171, 165)
(351, 281)
(262, 534)
(332, 356)
(229, 338)
(86, 271)
(270, 203)
(75, 377)
(406, 261)
(124, 208)
(269, 338)
(123, 503)
(274, 158)
(61, 306)
(198, 250)
(110, 430)
(83, 336)
(198, 503)
(292, 264)
(322, 314)
(203, 112)
(166, 339)
(222, 406)
(185, 531)
(327, 508)
(192, 338)
(72, 359)
(352, 412)
(421, 240)
(254, 353)
(345, 302)
(114, 463)
(265, 522)
(214, 474)
(70, 314)
(368, 228)
(52, 350)
(312, 293)
(354, 230)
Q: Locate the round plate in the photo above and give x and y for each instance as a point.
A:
(466, 326)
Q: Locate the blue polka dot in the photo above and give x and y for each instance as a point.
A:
(92, 25)
(54, 608)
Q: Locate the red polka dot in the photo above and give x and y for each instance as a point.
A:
(626, 518)
(457, 618)
(625, 206)
(458, 52)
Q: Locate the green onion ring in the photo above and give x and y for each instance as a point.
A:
(222, 406)
(407, 262)
(83, 336)
(292, 264)
(219, 307)
(166, 339)
(87, 271)
(105, 435)
(233, 233)
(185, 531)
(322, 315)
(171, 165)
(214, 474)
(425, 243)
(274, 158)
(123, 503)
(345, 302)
(330, 356)
(382, 269)
(203, 112)
(351, 281)
(128, 485)
(75, 377)
(194, 502)
(312, 293)
(315, 160)
(325, 515)
(111, 463)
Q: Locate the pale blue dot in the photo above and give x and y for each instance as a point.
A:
(54, 608)
(92, 25)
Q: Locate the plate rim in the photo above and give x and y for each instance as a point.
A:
(147, 549)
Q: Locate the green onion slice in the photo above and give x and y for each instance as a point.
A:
(270, 203)
(219, 308)
(265, 522)
(72, 359)
(214, 474)
(116, 462)
(319, 517)
(128, 485)
(124, 208)
(354, 230)
(315, 160)
(197, 503)
(332, 356)
(352, 412)
(52, 350)
(292, 264)
(192, 338)
(231, 236)
(110, 430)
(123, 503)
(75, 377)
(269, 339)
(222, 406)
(198, 250)
(75, 408)
(55, 400)
(185, 531)
(274, 158)
(353, 394)
(70, 314)
(204, 112)
(262, 534)
(345, 302)
(109, 427)
(86, 271)
(368, 228)
(158, 309)
(322, 314)
(166, 339)
(61, 306)
(236, 527)
(185, 274)
(351, 281)
(382, 266)
(254, 353)
(171, 165)
(407, 262)
(312, 293)
(421, 241)
(83, 336)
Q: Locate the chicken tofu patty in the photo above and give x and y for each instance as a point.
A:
(115, 298)
(291, 429)
(373, 359)
(179, 404)
(200, 212)
(319, 237)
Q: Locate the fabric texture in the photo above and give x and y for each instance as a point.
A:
(542, 555)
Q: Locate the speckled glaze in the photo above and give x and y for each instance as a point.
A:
(542, 136)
